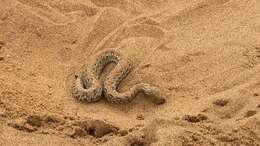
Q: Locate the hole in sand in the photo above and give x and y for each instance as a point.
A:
(92, 131)
(250, 113)
(195, 119)
(138, 143)
(220, 102)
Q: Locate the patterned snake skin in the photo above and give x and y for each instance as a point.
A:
(89, 87)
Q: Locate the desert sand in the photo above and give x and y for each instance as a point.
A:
(204, 56)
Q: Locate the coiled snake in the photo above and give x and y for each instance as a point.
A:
(89, 87)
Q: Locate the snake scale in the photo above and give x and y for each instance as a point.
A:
(89, 87)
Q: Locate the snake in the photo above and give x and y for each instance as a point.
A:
(89, 87)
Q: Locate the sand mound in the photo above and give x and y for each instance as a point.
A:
(204, 55)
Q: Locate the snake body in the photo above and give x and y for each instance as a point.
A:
(89, 87)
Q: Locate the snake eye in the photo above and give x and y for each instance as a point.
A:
(76, 76)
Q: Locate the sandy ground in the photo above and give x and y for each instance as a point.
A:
(204, 55)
